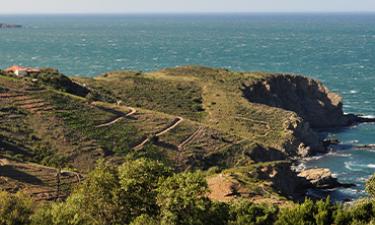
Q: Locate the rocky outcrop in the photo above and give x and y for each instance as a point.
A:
(322, 178)
(4, 25)
(302, 140)
(284, 179)
(307, 97)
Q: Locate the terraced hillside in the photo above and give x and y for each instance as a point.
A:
(214, 97)
(190, 117)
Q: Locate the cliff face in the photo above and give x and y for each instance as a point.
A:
(301, 140)
(285, 180)
(307, 97)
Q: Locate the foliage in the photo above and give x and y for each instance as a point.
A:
(146, 192)
(14, 209)
(138, 181)
(182, 199)
(370, 186)
(244, 212)
(145, 220)
(307, 213)
(94, 202)
(59, 81)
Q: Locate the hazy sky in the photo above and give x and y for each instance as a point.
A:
(132, 6)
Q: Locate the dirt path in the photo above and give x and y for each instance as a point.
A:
(175, 124)
(166, 130)
(190, 139)
(132, 112)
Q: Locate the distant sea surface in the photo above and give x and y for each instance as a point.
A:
(338, 49)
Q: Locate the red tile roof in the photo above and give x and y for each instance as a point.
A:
(21, 68)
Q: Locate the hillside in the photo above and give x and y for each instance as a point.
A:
(190, 117)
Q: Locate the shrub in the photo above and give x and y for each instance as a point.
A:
(14, 209)
(244, 212)
(94, 202)
(182, 200)
(308, 213)
(138, 181)
(370, 186)
(362, 211)
(145, 220)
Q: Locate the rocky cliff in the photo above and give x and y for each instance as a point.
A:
(307, 97)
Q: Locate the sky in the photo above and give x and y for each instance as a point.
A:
(182, 6)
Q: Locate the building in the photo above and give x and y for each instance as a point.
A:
(21, 71)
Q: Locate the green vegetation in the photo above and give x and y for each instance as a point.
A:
(147, 192)
(173, 147)
(53, 78)
(172, 96)
(14, 209)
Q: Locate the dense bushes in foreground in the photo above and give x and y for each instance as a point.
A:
(146, 192)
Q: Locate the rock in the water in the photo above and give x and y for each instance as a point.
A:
(365, 147)
(322, 178)
(4, 25)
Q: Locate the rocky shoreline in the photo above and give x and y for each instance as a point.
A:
(319, 110)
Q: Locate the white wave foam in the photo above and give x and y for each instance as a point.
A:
(350, 166)
(354, 91)
(369, 116)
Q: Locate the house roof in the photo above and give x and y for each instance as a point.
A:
(21, 68)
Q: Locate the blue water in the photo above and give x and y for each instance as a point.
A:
(338, 49)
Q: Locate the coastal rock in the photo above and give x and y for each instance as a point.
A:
(307, 97)
(322, 178)
(302, 141)
(4, 25)
(365, 147)
(284, 179)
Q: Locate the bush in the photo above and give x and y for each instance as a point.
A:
(182, 200)
(244, 212)
(139, 181)
(42, 216)
(362, 211)
(14, 209)
(145, 220)
(370, 186)
(94, 202)
(308, 213)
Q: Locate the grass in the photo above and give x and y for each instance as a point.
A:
(222, 126)
(182, 98)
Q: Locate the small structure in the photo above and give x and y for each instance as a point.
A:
(21, 71)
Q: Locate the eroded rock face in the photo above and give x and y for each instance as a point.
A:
(285, 180)
(303, 140)
(309, 98)
(322, 178)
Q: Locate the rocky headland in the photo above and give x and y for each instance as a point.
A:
(252, 127)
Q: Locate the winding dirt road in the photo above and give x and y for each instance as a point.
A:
(190, 139)
(177, 121)
(132, 111)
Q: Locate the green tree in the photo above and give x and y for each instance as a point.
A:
(139, 181)
(15, 209)
(183, 200)
(243, 212)
(308, 213)
(363, 211)
(94, 202)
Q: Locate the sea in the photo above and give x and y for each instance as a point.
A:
(338, 49)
